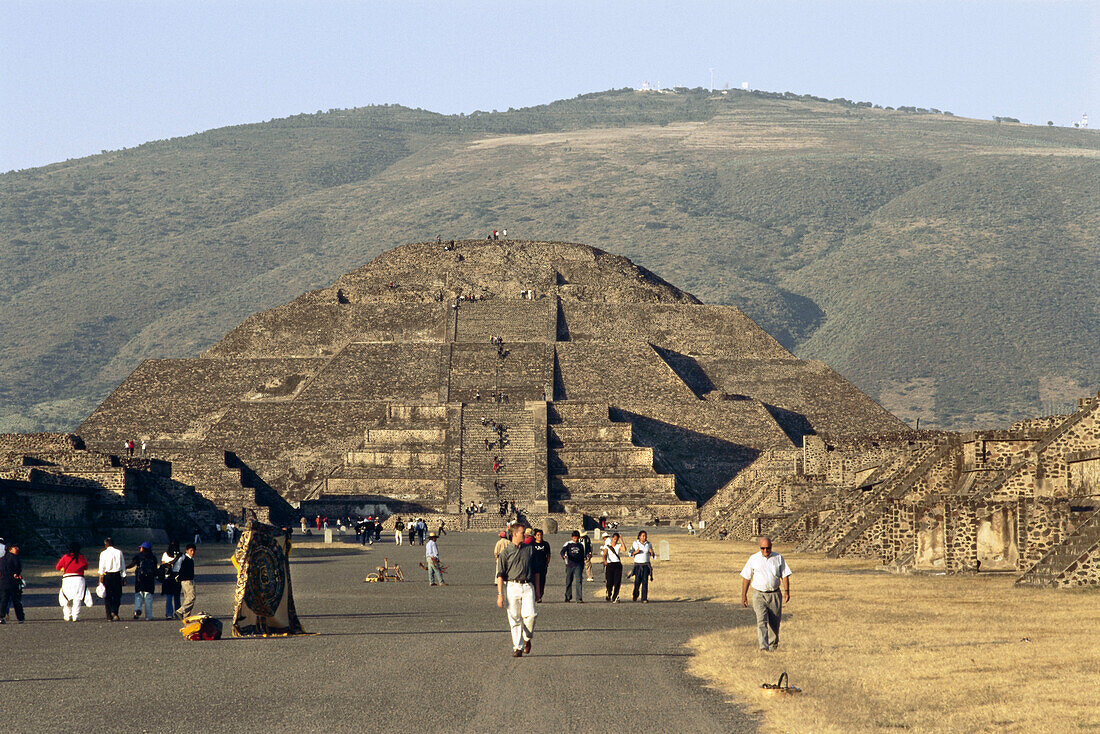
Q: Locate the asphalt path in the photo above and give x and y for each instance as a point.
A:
(393, 657)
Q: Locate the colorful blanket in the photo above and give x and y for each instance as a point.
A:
(263, 603)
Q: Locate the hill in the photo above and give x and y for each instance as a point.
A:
(946, 266)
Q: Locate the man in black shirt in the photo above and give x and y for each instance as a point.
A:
(11, 583)
(515, 592)
(541, 561)
(574, 555)
(187, 581)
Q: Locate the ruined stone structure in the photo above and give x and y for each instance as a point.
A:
(1024, 499)
(54, 490)
(622, 395)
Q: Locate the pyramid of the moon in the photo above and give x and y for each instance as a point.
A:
(552, 375)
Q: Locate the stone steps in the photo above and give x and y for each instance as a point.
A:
(1057, 566)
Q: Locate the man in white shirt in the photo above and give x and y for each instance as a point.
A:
(766, 572)
(112, 569)
(642, 553)
(435, 568)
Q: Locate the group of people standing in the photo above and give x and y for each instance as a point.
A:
(577, 553)
(175, 571)
(523, 561)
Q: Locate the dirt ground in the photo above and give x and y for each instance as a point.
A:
(876, 651)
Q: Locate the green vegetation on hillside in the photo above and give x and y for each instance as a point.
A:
(944, 265)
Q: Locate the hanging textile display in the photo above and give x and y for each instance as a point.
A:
(263, 603)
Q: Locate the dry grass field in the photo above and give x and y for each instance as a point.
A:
(875, 651)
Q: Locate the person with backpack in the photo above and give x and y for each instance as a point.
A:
(144, 565)
(398, 531)
(169, 578)
(574, 555)
(587, 543)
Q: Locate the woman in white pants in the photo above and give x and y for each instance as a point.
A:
(73, 589)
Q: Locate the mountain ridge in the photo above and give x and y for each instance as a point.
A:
(766, 203)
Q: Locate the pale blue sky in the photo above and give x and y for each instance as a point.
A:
(78, 77)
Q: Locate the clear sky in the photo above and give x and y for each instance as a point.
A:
(83, 76)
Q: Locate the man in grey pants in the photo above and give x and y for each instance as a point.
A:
(187, 582)
(574, 555)
(766, 572)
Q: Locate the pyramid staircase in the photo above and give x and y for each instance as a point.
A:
(519, 449)
(1064, 564)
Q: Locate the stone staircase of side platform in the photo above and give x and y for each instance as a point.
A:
(596, 469)
(403, 458)
(1073, 562)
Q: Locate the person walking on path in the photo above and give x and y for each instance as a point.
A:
(540, 563)
(398, 531)
(587, 543)
(111, 573)
(766, 572)
(11, 584)
(642, 553)
(515, 590)
(573, 553)
(73, 586)
(187, 581)
(612, 552)
(435, 568)
(145, 580)
(170, 564)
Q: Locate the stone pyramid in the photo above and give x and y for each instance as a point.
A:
(554, 376)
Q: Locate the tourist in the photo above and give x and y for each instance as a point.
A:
(398, 530)
(502, 542)
(111, 574)
(481, 506)
(612, 552)
(642, 553)
(303, 523)
(504, 233)
(766, 572)
(145, 577)
(435, 568)
(421, 529)
(515, 592)
(442, 529)
(540, 562)
(573, 554)
(587, 556)
(73, 587)
(11, 584)
(144, 446)
(187, 582)
(170, 564)
(691, 528)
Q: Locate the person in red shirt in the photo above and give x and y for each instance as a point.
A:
(73, 588)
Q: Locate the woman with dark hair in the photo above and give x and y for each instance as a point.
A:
(73, 589)
(612, 552)
(170, 564)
